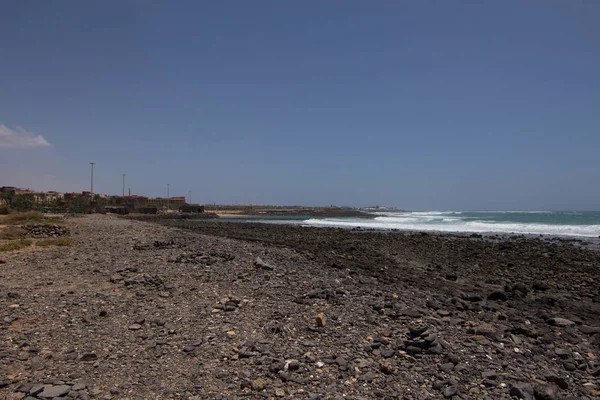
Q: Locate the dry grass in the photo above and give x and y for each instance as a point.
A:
(61, 241)
(22, 218)
(12, 233)
(15, 245)
(29, 217)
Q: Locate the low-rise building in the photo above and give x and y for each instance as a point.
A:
(163, 202)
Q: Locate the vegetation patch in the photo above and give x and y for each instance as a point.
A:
(12, 233)
(61, 241)
(15, 245)
(30, 217)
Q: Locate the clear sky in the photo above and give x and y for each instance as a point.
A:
(422, 104)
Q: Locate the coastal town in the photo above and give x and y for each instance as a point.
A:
(22, 199)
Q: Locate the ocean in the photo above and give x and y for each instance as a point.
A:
(553, 223)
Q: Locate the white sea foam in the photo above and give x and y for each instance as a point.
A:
(409, 222)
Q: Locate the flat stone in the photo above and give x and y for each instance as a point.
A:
(589, 330)
(51, 392)
(541, 286)
(89, 357)
(489, 374)
(368, 377)
(135, 327)
(562, 322)
(387, 353)
(79, 386)
(411, 313)
(35, 389)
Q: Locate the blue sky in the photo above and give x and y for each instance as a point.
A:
(422, 104)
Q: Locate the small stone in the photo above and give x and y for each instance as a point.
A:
(386, 368)
(368, 377)
(541, 286)
(135, 327)
(320, 320)
(89, 357)
(558, 380)
(411, 313)
(546, 392)
(520, 287)
(522, 391)
(259, 384)
(259, 263)
(446, 367)
(562, 322)
(279, 392)
(188, 349)
(497, 296)
(450, 391)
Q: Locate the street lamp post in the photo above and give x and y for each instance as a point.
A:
(168, 198)
(123, 184)
(190, 199)
(92, 182)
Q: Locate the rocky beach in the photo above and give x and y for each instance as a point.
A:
(181, 309)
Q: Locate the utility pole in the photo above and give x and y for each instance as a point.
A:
(168, 199)
(190, 199)
(123, 184)
(92, 182)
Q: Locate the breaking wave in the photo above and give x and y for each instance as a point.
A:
(513, 222)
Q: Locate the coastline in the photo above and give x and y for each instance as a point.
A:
(255, 310)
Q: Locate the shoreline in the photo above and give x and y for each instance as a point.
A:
(592, 240)
(257, 310)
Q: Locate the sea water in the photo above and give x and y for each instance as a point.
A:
(555, 223)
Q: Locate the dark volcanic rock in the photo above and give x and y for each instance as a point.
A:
(226, 328)
(546, 392)
(497, 296)
(522, 391)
